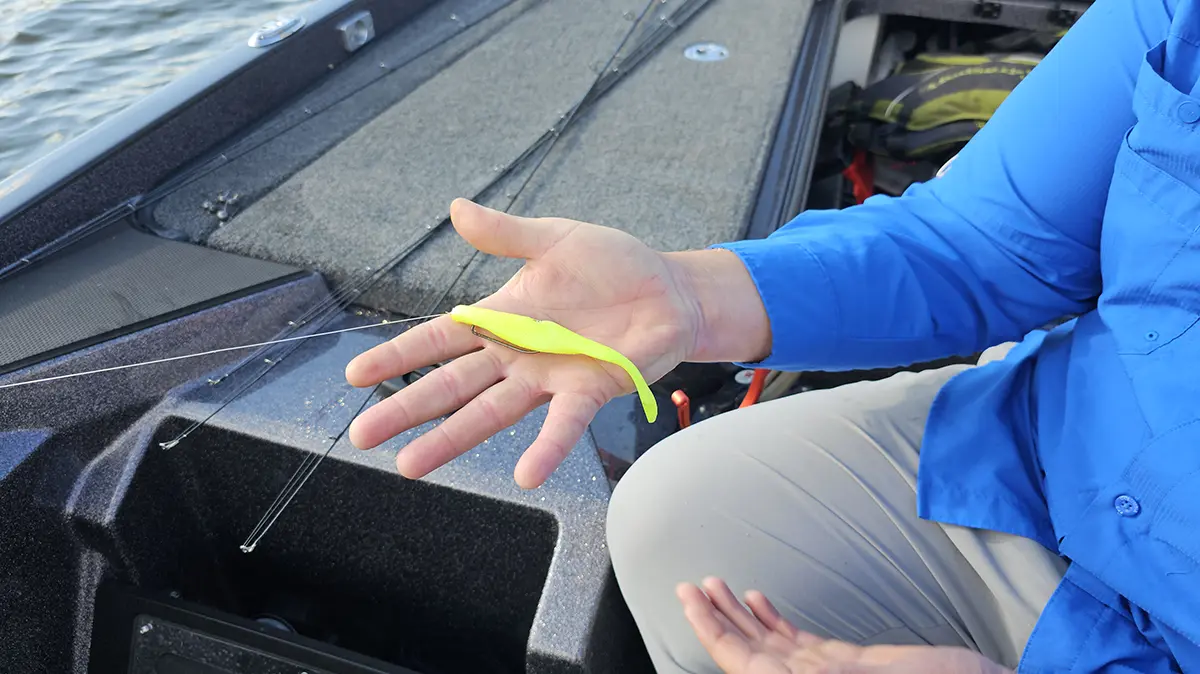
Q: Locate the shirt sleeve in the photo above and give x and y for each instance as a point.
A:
(1007, 240)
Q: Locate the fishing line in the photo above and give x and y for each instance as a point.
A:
(607, 79)
(171, 359)
(557, 133)
(330, 307)
(309, 466)
(352, 291)
(296, 483)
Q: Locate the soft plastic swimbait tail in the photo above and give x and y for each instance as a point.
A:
(529, 334)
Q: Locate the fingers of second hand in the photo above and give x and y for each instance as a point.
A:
(725, 601)
(769, 616)
(442, 391)
(497, 408)
(438, 340)
(723, 641)
(566, 421)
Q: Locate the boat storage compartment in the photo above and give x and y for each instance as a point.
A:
(431, 577)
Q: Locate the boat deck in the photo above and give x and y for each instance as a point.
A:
(360, 168)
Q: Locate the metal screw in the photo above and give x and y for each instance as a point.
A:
(145, 629)
(706, 51)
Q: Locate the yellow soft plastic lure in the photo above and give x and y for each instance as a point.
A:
(529, 334)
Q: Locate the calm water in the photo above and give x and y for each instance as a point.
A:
(66, 65)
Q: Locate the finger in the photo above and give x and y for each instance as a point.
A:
(566, 422)
(446, 389)
(433, 342)
(725, 601)
(497, 408)
(506, 235)
(724, 642)
(769, 616)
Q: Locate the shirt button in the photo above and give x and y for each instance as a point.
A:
(1127, 506)
(1189, 111)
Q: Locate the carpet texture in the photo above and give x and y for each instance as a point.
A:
(672, 154)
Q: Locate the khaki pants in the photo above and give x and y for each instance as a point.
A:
(811, 499)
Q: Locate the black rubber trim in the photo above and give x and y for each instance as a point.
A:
(783, 189)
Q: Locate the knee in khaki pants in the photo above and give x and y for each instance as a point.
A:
(811, 500)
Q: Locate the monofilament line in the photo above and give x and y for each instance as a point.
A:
(159, 361)
(307, 467)
(556, 132)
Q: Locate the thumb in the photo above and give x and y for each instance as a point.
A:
(506, 235)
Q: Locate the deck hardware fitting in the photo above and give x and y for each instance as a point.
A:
(706, 52)
(357, 30)
(276, 31)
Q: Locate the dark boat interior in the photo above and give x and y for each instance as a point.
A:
(303, 186)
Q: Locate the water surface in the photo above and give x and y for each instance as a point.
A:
(66, 65)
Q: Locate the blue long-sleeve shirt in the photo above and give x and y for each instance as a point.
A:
(1081, 197)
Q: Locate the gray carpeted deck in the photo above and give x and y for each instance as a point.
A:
(672, 154)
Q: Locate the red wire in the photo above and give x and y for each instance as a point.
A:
(756, 387)
(684, 408)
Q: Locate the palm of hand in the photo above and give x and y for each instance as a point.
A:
(761, 641)
(609, 286)
(599, 282)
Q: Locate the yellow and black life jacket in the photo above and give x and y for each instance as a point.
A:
(934, 103)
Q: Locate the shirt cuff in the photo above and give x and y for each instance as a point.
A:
(799, 299)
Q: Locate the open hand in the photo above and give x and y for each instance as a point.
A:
(597, 281)
(761, 641)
